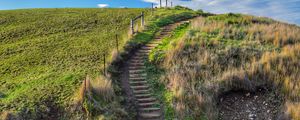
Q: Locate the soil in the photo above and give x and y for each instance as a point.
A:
(263, 104)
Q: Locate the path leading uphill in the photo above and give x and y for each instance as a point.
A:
(135, 83)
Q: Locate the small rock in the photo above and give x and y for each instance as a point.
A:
(255, 97)
(252, 116)
(248, 94)
(268, 111)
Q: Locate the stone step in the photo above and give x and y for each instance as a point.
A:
(137, 57)
(159, 37)
(149, 109)
(143, 95)
(155, 42)
(137, 60)
(137, 78)
(142, 87)
(151, 45)
(147, 104)
(165, 33)
(145, 100)
(141, 54)
(137, 71)
(144, 51)
(150, 115)
(136, 64)
(137, 67)
(137, 75)
(147, 48)
(166, 30)
(138, 82)
(141, 91)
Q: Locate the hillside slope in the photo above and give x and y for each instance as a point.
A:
(46, 53)
(230, 57)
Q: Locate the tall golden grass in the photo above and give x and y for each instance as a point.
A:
(199, 68)
(275, 33)
(90, 91)
(100, 86)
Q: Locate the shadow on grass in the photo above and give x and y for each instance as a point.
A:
(2, 95)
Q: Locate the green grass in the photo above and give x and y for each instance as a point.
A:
(46, 53)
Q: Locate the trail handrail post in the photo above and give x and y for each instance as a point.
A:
(117, 43)
(152, 8)
(166, 3)
(160, 3)
(132, 26)
(142, 19)
(104, 62)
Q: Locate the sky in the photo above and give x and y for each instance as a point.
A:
(282, 10)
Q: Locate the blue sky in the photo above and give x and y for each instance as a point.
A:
(283, 10)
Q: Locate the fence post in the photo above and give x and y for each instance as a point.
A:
(117, 43)
(142, 19)
(166, 3)
(132, 26)
(160, 3)
(104, 62)
(152, 8)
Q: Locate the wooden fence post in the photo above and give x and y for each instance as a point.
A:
(152, 8)
(104, 62)
(160, 3)
(166, 3)
(117, 43)
(142, 19)
(132, 26)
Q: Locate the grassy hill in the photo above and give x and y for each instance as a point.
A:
(217, 54)
(45, 54)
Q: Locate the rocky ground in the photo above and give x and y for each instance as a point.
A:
(242, 105)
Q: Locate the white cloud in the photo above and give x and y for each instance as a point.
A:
(213, 2)
(102, 5)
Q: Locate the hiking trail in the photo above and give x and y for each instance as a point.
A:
(135, 83)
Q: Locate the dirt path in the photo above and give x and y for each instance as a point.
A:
(134, 81)
(243, 105)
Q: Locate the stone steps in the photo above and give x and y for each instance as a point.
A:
(151, 115)
(141, 91)
(145, 100)
(140, 87)
(147, 105)
(150, 109)
(138, 82)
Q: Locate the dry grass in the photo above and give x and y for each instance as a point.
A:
(294, 110)
(275, 33)
(5, 115)
(216, 57)
(102, 87)
(95, 96)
